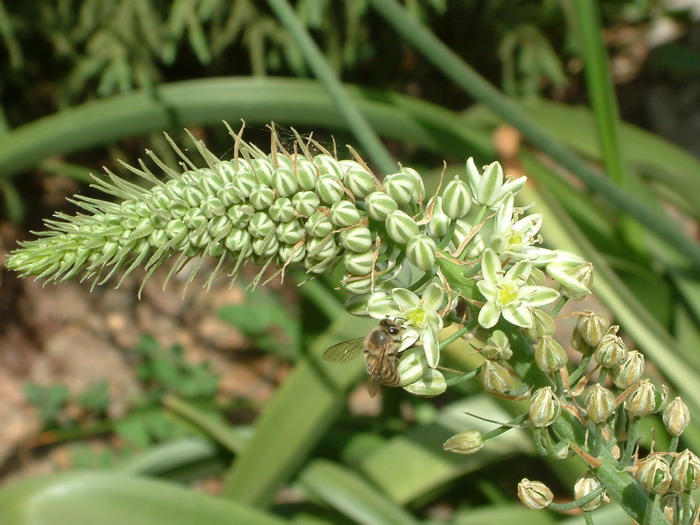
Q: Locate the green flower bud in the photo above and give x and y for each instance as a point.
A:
(358, 263)
(592, 327)
(644, 400)
(193, 196)
(329, 189)
(676, 417)
(431, 384)
(584, 486)
(157, 239)
(240, 215)
(467, 442)
(578, 344)
(321, 248)
(379, 205)
(261, 197)
(401, 187)
(194, 219)
(328, 165)
(306, 174)
(419, 194)
(685, 472)
(266, 246)
(176, 229)
(439, 222)
(344, 214)
(260, 225)
(475, 245)
(600, 403)
(263, 171)
(285, 182)
(357, 179)
(358, 239)
(229, 195)
(611, 350)
(400, 227)
(290, 232)
(420, 251)
(544, 407)
(535, 495)
(549, 355)
(319, 224)
(542, 325)
(456, 200)
(281, 210)
(290, 253)
(245, 182)
(219, 227)
(497, 347)
(212, 207)
(238, 241)
(227, 171)
(412, 365)
(215, 249)
(653, 473)
(495, 378)
(629, 371)
(575, 282)
(306, 203)
(356, 285)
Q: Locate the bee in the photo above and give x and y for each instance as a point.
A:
(381, 354)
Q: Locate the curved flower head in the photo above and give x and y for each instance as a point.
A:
(422, 320)
(507, 294)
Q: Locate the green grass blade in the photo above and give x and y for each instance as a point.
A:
(365, 135)
(351, 495)
(97, 498)
(14, 207)
(162, 459)
(469, 80)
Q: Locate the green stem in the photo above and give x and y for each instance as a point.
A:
(652, 503)
(563, 507)
(556, 308)
(588, 517)
(464, 377)
(452, 338)
(505, 428)
(580, 370)
(322, 70)
(673, 445)
(631, 441)
(468, 79)
(448, 236)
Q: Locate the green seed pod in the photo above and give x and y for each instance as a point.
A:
(356, 285)
(321, 248)
(319, 224)
(285, 182)
(281, 210)
(290, 232)
(306, 174)
(419, 195)
(672, 507)
(261, 197)
(575, 282)
(456, 200)
(358, 239)
(420, 251)
(497, 347)
(578, 344)
(439, 223)
(344, 214)
(400, 227)
(685, 472)
(238, 241)
(535, 495)
(358, 263)
(240, 214)
(611, 350)
(587, 484)
(467, 442)
(263, 171)
(357, 179)
(245, 182)
(219, 227)
(549, 355)
(328, 165)
(266, 246)
(600, 403)
(542, 325)
(260, 226)
(544, 407)
(329, 189)
(629, 371)
(495, 378)
(644, 400)
(290, 253)
(400, 187)
(592, 327)
(676, 417)
(412, 365)
(653, 473)
(379, 205)
(305, 203)
(431, 384)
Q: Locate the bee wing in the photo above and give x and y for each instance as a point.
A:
(345, 351)
(373, 385)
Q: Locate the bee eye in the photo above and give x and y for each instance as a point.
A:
(393, 330)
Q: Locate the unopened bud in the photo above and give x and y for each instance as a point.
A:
(400, 227)
(344, 214)
(431, 384)
(542, 324)
(544, 407)
(611, 350)
(357, 179)
(456, 200)
(549, 355)
(535, 495)
(685, 472)
(644, 400)
(439, 223)
(495, 378)
(676, 417)
(629, 371)
(379, 205)
(467, 442)
(654, 474)
(420, 251)
(600, 403)
(497, 347)
(575, 281)
(412, 365)
(592, 327)
(579, 344)
(401, 187)
(583, 487)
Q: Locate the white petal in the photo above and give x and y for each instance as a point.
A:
(519, 316)
(433, 297)
(405, 299)
(537, 295)
(504, 216)
(491, 266)
(489, 315)
(514, 185)
(519, 272)
(380, 305)
(490, 184)
(473, 177)
(488, 290)
(409, 337)
(431, 346)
